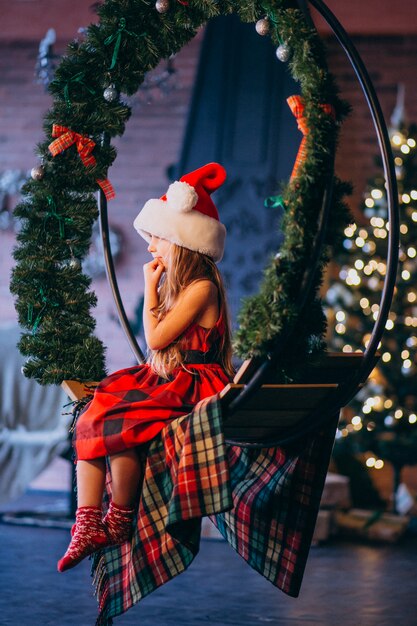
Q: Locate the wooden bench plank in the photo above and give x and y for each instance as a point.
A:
(77, 390)
(279, 397)
(329, 367)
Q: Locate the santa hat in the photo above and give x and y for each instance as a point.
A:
(187, 215)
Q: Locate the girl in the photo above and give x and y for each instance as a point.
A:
(187, 330)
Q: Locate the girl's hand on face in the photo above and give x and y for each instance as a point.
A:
(152, 272)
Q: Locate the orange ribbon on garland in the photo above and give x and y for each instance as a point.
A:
(297, 107)
(84, 145)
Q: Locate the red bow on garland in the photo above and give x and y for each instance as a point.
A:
(85, 146)
(297, 107)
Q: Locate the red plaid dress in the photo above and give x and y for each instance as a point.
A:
(131, 406)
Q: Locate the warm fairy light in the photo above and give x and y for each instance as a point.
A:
(369, 203)
(398, 161)
(411, 252)
(345, 432)
(413, 194)
(411, 296)
(407, 364)
(405, 149)
(398, 414)
(347, 348)
(389, 420)
(386, 357)
(389, 325)
(405, 275)
(380, 233)
(370, 247)
(405, 354)
(376, 194)
(363, 233)
(412, 418)
(359, 264)
(396, 140)
(406, 198)
(411, 142)
(373, 283)
(366, 409)
(379, 464)
(414, 216)
(371, 461)
(340, 316)
(375, 308)
(340, 328)
(364, 302)
(350, 230)
(408, 320)
(403, 229)
(360, 242)
(388, 403)
(347, 244)
(356, 420)
(382, 268)
(411, 341)
(352, 277)
(358, 426)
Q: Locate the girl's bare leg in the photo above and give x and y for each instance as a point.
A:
(125, 475)
(91, 476)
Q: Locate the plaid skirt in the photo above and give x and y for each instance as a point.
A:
(131, 406)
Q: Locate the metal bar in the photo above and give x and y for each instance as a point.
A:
(304, 294)
(111, 274)
(347, 391)
(389, 171)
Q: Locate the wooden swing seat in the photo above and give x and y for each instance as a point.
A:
(274, 407)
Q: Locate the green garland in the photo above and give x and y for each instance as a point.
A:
(58, 211)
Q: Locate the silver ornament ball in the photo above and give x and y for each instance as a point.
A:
(110, 94)
(283, 52)
(262, 27)
(162, 6)
(38, 172)
(74, 264)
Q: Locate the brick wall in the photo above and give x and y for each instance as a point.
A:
(389, 61)
(152, 142)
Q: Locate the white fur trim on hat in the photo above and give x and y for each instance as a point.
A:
(194, 231)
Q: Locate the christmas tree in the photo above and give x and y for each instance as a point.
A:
(381, 422)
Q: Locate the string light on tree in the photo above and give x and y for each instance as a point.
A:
(386, 408)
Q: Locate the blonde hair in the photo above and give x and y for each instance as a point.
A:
(185, 267)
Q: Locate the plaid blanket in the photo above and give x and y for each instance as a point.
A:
(264, 502)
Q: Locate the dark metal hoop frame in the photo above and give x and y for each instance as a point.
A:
(328, 409)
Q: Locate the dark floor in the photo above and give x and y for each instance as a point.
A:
(346, 584)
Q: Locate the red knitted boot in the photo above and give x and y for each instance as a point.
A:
(88, 535)
(118, 523)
